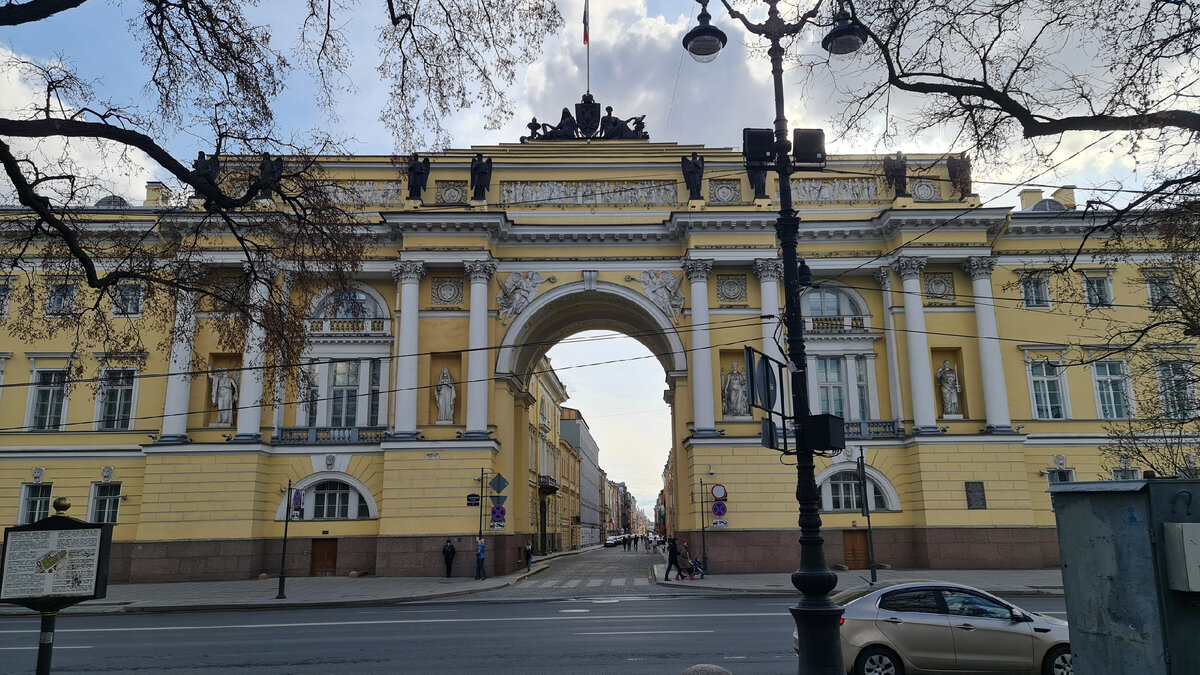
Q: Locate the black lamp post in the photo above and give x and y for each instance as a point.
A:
(817, 617)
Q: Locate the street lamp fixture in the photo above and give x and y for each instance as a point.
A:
(817, 616)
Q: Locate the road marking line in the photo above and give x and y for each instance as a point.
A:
(550, 583)
(648, 632)
(572, 583)
(574, 611)
(618, 582)
(56, 647)
(641, 582)
(592, 583)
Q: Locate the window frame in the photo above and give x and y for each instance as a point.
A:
(1168, 400)
(101, 403)
(841, 384)
(360, 505)
(1154, 282)
(27, 515)
(68, 305)
(1126, 389)
(1126, 473)
(6, 287)
(36, 388)
(1090, 279)
(1060, 378)
(119, 292)
(94, 499)
(1042, 280)
(1064, 476)
(882, 491)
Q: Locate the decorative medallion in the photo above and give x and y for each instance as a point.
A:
(106, 474)
(731, 288)
(38, 473)
(1060, 462)
(329, 462)
(939, 286)
(446, 290)
(451, 192)
(724, 191)
(924, 190)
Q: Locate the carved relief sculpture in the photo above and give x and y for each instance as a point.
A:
(663, 290)
(939, 286)
(731, 288)
(516, 292)
(224, 396)
(446, 291)
(947, 381)
(106, 474)
(444, 396)
(734, 402)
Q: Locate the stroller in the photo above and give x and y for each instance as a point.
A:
(694, 567)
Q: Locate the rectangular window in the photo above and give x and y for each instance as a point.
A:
(116, 399)
(1099, 291)
(49, 399)
(1112, 390)
(106, 500)
(1160, 289)
(343, 404)
(1036, 291)
(831, 386)
(60, 299)
(5, 293)
(1126, 474)
(1060, 475)
(127, 300)
(864, 406)
(1175, 387)
(376, 379)
(35, 502)
(1047, 391)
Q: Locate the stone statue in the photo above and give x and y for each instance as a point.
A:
(224, 396)
(947, 381)
(535, 131)
(663, 290)
(617, 128)
(270, 172)
(895, 173)
(693, 172)
(567, 128)
(418, 177)
(959, 169)
(444, 395)
(481, 177)
(516, 292)
(206, 170)
(758, 180)
(734, 402)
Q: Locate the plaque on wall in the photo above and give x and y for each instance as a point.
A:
(976, 499)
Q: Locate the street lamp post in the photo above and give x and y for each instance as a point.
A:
(817, 617)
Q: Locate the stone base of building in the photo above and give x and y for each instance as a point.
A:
(750, 552)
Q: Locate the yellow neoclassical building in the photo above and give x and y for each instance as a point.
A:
(930, 328)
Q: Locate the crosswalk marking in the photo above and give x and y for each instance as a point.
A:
(641, 582)
(550, 583)
(572, 583)
(618, 582)
(592, 583)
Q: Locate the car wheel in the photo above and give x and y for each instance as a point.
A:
(878, 661)
(1058, 661)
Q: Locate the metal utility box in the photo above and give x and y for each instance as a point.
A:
(1120, 572)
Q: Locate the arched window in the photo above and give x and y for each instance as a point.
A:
(841, 490)
(353, 304)
(330, 500)
(831, 302)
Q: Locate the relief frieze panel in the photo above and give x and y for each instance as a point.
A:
(834, 190)
(588, 193)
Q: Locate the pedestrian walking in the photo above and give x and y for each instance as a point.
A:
(480, 552)
(448, 555)
(635, 542)
(687, 558)
(672, 560)
(528, 553)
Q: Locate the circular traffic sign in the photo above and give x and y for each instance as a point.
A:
(718, 491)
(719, 509)
(498, 513)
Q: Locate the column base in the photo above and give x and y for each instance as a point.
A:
(172, 439)
(707, 433)
(475, 435)
(247, 438)
(1000, 430)
(927, 431)
(407, 436)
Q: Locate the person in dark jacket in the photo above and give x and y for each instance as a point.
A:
(448, 554)
(672, 560)
(528, 554)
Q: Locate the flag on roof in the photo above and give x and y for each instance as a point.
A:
(585, 22)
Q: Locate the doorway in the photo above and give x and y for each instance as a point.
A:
(855, 544)
(324, 557)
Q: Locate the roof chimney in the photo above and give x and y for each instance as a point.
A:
(157, 194)
(1066, 195)
(1030, 197)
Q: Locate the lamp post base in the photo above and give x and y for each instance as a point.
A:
(820, 644)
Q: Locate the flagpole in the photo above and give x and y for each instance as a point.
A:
(588, 44)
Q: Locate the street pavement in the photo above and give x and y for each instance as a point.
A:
(591, 572)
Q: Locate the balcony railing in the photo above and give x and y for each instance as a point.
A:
(318, 326)
(867, 429)
(547, 484)
(329, 435)
(837, 324)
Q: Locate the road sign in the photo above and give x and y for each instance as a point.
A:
(718, 492)
(761, 382)
(498, 500)
(498, 525)
(498, 483)
(720, 522)
(719, 509)
(472, 499)
(498, 513)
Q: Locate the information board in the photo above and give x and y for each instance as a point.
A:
(51, 563)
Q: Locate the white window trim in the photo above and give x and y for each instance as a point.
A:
(1062, 386)
(1136, 473)
(1041, 276)
(309, 483)
(1130, 412)
(98, 415)
(141, 301)
(61, 281)
(23, 506)
(1106, 275)
(1069, 472)
(1188, 384)
(6, 298)
(31, 398)
(882, 484)
(91, 510)
(321, 366)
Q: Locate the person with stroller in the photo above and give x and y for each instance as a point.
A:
(672, 560)
(686, 556)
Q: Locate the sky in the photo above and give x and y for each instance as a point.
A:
(638, 66)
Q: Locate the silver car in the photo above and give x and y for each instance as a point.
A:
(937, 627)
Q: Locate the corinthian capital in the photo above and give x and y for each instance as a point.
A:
(697, 270)
(408, 271)
(884, 277)
(909, 267)
(768, 269)
(480, 270)
(979, 267)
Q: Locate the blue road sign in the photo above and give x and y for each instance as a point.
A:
(719, 509)
(498, 513)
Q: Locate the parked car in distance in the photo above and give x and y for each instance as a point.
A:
(613, 541)
(930, 627)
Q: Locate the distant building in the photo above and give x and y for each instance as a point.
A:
(574, 430)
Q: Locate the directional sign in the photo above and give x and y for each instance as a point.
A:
(719, 509)
(498, 513)
(498, 483)
(472, 499)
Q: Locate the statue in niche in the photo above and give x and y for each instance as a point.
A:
(947, 381)
(224, 396)
(270, 173)
(444, 396)
(418, 176)
(734, 402)
(617, 128)
(567, 128)
(481, 177)
(693, 172)
(758, 180)
(959, 169)
(516, 292)
(663, 290)
(895, 173)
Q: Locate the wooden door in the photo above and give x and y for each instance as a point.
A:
(324, 557)
(855, 543)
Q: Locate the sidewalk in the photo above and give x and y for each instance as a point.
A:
(370, 590)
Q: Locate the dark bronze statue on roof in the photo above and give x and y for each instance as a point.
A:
(586, 124)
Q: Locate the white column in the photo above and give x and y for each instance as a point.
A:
(249, 413)
(883, 276)
(480, 273)
(408, 275)
(179, 379)
(995, 391)
(920, 373)
(769, 271)
(701, 374)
